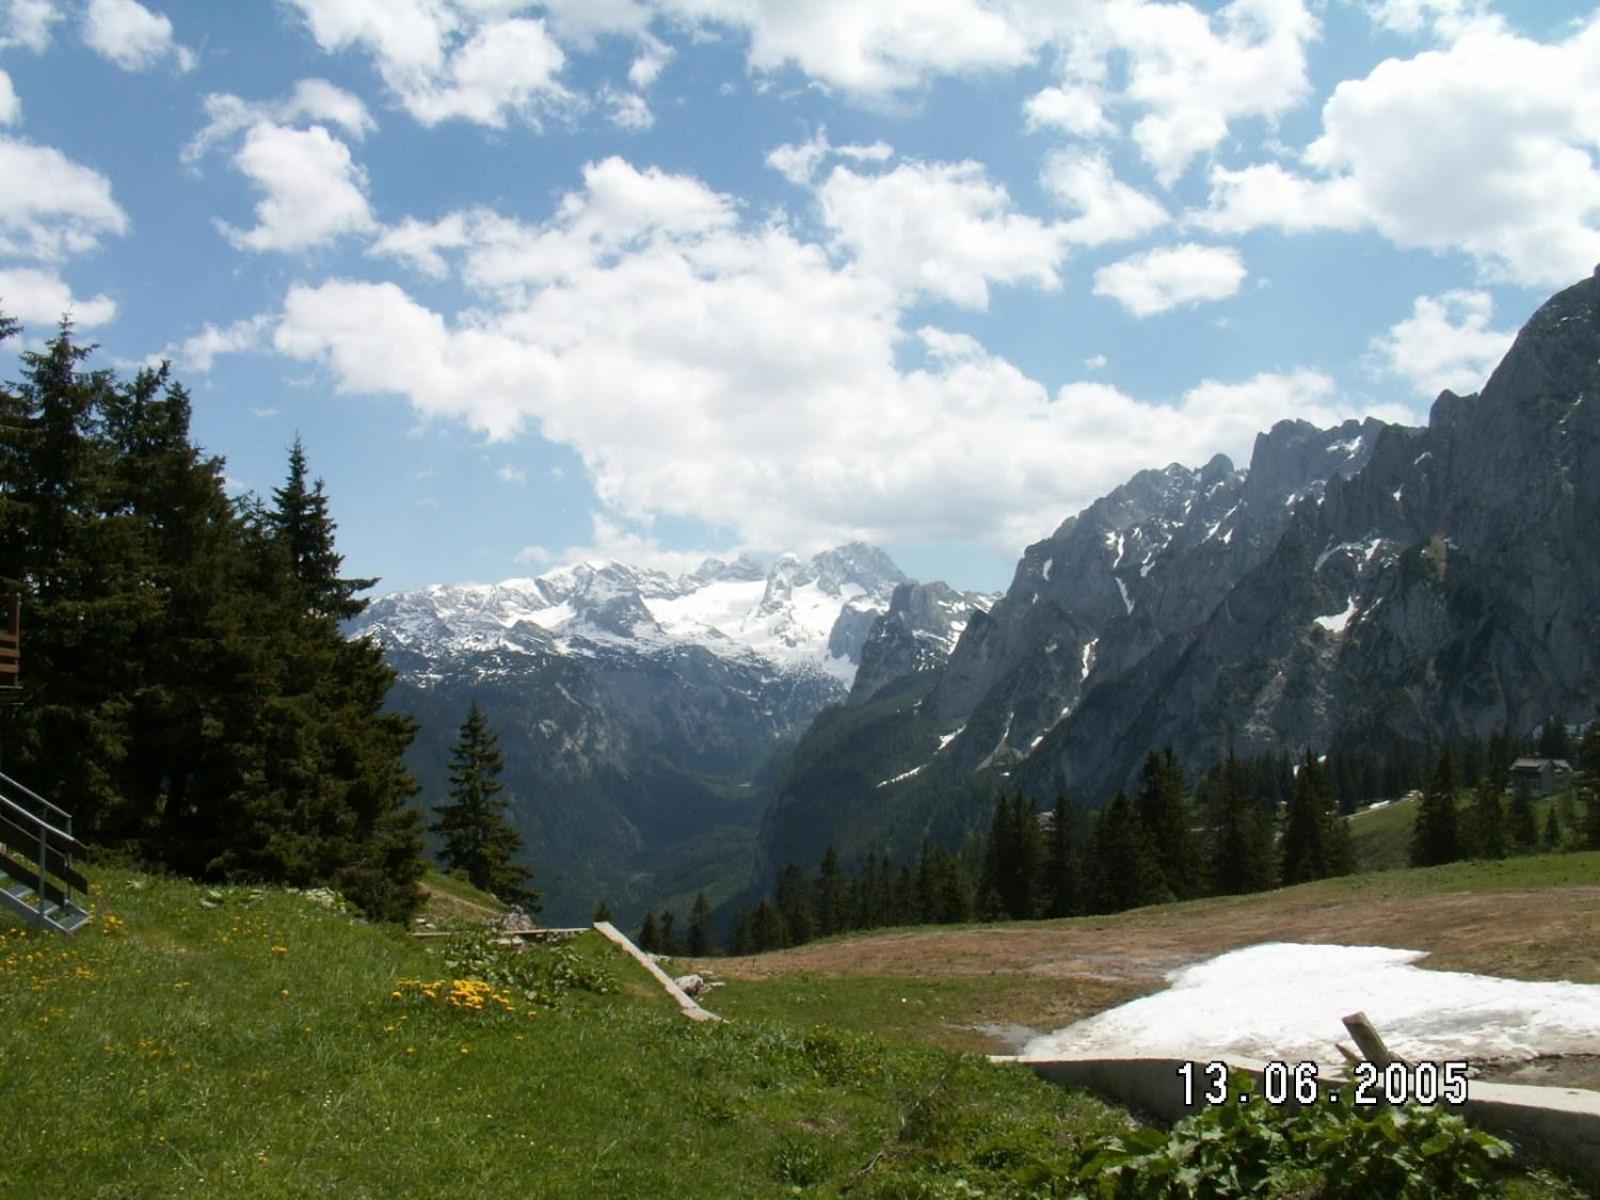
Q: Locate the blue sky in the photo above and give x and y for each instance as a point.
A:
(653, 279)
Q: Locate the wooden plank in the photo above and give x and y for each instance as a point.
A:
(58, 850)
(685, 1001)
(28, 873)
(1368, 1040)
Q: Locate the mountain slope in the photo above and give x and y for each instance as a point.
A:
(637, 711)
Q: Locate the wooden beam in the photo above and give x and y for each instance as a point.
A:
(1367, 1038)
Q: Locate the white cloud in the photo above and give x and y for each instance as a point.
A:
(451, 61)
(313, 100)
(199, 352)
(1185, 74)
(1109, 210)
(10, 106)
(939, 229)
(726, 371)
(27, 24)
(798, 161)
(1445, 19)
(418, 243)
(651, 61)
(50, 206)
(609, 540)
(512, 475)
(628, 109)
(1446, 342)
(1096, 362)
(1076, 109)
(37, 297)
(130, 35)
(1170, 277)
(314, 190)
(1485, 147)
(868, 49)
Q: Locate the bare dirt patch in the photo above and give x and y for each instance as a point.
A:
(1046, 974)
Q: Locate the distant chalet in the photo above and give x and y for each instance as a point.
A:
(1544, 776)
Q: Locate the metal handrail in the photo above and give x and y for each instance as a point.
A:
(35, 817)
(33, 795)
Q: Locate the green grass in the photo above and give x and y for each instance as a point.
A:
(248, 1042)
(1381, 837)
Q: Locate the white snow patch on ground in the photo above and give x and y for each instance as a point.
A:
(1337, 622)
(1048, 563)
(902, 775)
(946, 738)
(1285, 1000)
(1123, 588)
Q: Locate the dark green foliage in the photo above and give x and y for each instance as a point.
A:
(1555, 740)
(1241, 857)
(1488, 820)
(303, 527)
(649, 938)
(1435, 840)
(794, 905)
(767, 930)
(667, 938)
(1127, 870)
(602, 911)
(1316, 841)
(701, 939)
(1524, 826)
(1165, 818)
(831, 900)
(1552, 829)
(1064, 891)
(478, 838)
(184, 696)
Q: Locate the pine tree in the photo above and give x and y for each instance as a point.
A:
(1524, 826)
(1434, 838)
(830, 894)
(478, 840)
(793, 898)
(1165, 817)
(1488, 820)
(767, 929)
(1127, 872)
(602, 912)
(1063, 872)
(649, 939)
(1241, 855)
(301, 520)
(701, 940)
(667, 940)
(1552, 829)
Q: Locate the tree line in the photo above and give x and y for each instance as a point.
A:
(1244, 825)
(186, 688)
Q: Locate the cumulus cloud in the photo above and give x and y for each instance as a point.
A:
(313, 100)
(798, 161)
(50, 206)
(200, 352)
(10, 106)
(612, 541)
(1446, 19)
(629, 110)
(130, 35)
(1183, 76)
(1077, 109)
(1484, 147)
(27, 24)
(39, 297)
(1109, 210)
(314, 191)
(452, 61)
(939, 229)
(868, 49)
(512, 475)
(1446, 342)
(708, 366)
(1160, 280)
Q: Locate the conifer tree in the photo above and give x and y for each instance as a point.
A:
(1316, 841)
(1434, 837)
(767, 929)
(302, 523)
(1488, 819)
(1165, 817)
(830, 894)
(702, 942)
(1063, 872)
(649, 939)
(793, 898)
(1552, 829)
(1524, 826)
(602, 911)
(1241, 856)
(667, 939)
(1127, 872)
(478, 840)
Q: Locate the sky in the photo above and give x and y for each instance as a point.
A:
(658, 279)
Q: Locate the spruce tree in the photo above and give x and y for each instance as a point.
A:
(478, 840)
(793, 898)
(602, 912)
(302, 522)
(668, 933)
(1128, 874)
(830, 894)
(1488, 820)
(649, 939)
(1165, 817)
(1241, 857)
(1524, 826)
(1434, 838)
(1063, 873)
(702, 942)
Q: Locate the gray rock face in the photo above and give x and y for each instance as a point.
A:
(916, 635)
(1445, 589)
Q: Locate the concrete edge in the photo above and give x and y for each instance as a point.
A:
(1554, 1125)
(686, 1002)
